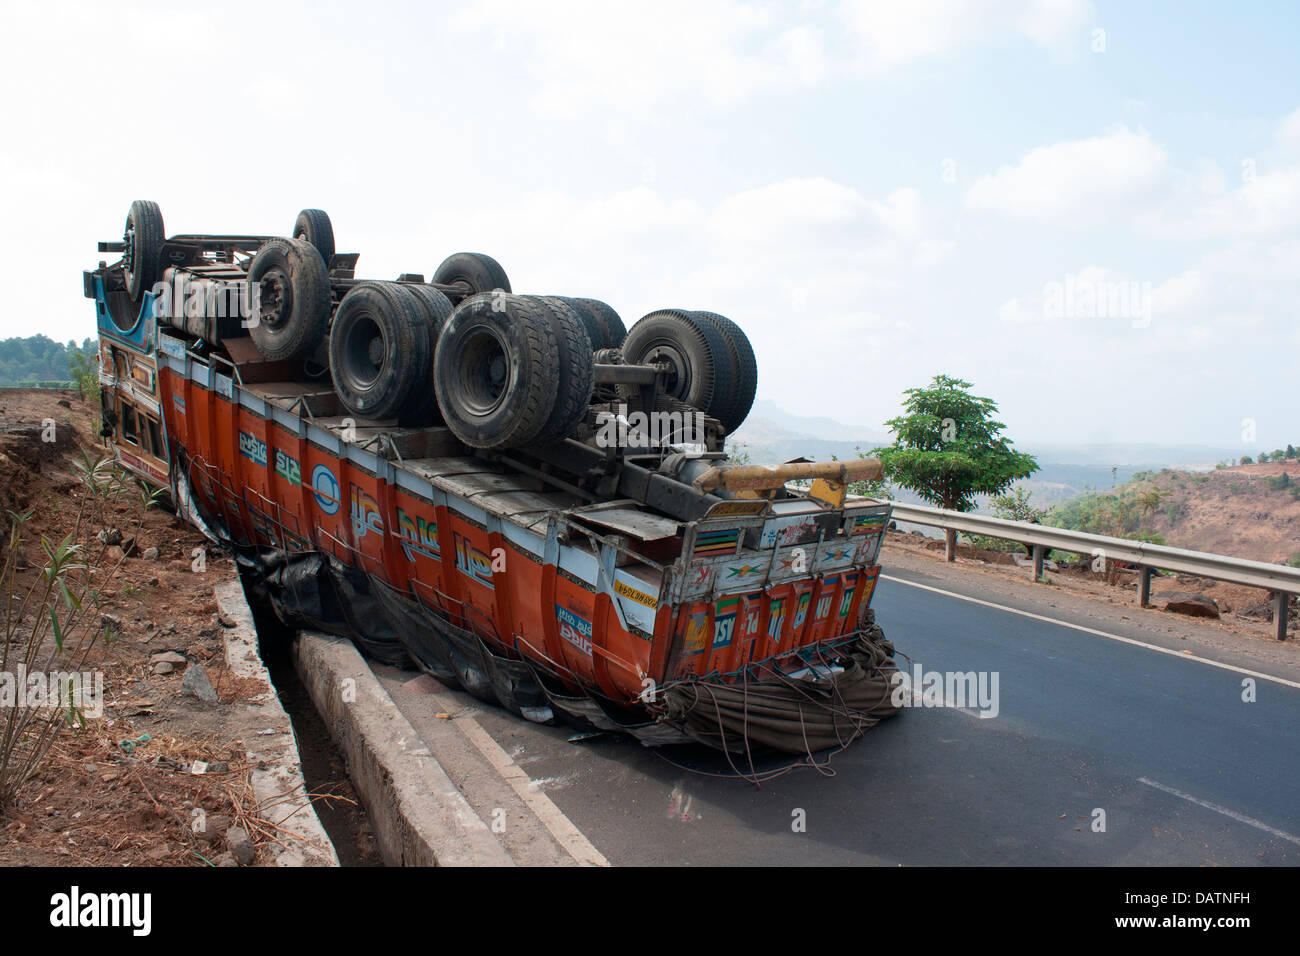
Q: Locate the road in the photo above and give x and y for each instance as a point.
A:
(1184, 770)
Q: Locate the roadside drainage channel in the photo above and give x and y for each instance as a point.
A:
(419, 816)
(276, 778)
(338, 806)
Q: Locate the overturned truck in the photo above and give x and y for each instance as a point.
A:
(515, 493)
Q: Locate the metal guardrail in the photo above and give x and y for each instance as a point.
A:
(1277, 578)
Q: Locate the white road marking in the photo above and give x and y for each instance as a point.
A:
(1106, 634)
(560, 827)
(1233, 814)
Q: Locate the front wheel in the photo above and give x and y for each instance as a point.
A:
(142, 239)
(290, 292)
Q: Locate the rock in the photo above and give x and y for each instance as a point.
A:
(158, 853)
(168, 657)
(219, 766)
(225, 619)
(1195, 605)
(196, 682)
(164, 667)
(241, 847)
(115, 553)
(150, 554)
(224, 859)
(110, 536)
(128, 546)
(214, 827)
(1263, 612)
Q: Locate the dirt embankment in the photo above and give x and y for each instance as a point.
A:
(126, 789)
(1248, 511)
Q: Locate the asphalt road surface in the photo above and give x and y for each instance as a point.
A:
(1158, 747)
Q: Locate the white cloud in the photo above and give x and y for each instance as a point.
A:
(1268, 204)
(1072, 181)
(587, 54)
(1288, 131)
(891, 34)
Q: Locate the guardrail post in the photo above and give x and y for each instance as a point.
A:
(1144, 586)
(1281, 607)
(1039, 551)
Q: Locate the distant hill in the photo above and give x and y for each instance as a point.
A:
(772, 435)
(38, 359)
(1249, 511)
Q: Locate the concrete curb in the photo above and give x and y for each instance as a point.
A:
(277, 780)
(419, 816)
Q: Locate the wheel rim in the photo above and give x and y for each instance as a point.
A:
(485, 371)
(364, 350)
(128, 242)
(677, 380)
(274, 299)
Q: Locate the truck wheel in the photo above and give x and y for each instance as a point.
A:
(314, 226)
(614, 329)
(291, 298)
(143, 238)
(576, 373)
(475, 271)
(375, 349)
(421, 407)
(744, 373)
(699, 364)
(590, 323)
(496, 371)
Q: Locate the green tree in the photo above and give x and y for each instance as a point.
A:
(1150, 500)
(948, 448)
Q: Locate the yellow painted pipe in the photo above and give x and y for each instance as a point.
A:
(759, 477)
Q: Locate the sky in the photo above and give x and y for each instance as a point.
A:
(1089, 210)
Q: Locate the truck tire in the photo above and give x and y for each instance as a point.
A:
(744, 372)
(425, 339)
(614, 329)
(576, 373)
(478, 273)
(143, 236)
(292, 301)
(496, 371)
(699, 362)
(375, 349)
(590, 323)
(314, 226)
(421, 407)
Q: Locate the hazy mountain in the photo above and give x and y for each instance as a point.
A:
(771, 435)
